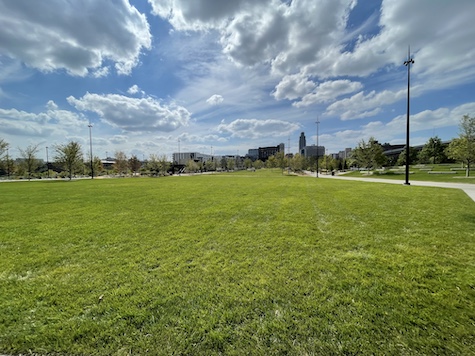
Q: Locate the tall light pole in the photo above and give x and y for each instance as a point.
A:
(408, 65)
(47, 161)
(90, 150)
(8, 166)
(178, 163)
(317, 122)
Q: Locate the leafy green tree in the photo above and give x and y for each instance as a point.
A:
(210, 165)
(30, 162)
(311, 163)
(97, 164)
(69, 157)
(224, 163)
(401, 160)
(153, 165)
(121, 163)
(340, 164)
(231, 164)
(326, 162)
(281, 161)
(247, 163)
(258, 164)
(369, 154)
(271, 162)
(433, 151)
(191, 166)
(134, 164)
(345, 164)
(297, 162)
(463, 148)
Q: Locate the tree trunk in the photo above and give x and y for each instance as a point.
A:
(468, 170)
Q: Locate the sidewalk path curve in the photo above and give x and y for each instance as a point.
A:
(468, 188)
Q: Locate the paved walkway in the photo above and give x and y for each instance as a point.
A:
(468, 188)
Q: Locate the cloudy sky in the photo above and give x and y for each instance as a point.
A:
(226, 76)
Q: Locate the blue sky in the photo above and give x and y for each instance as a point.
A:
(226, 76)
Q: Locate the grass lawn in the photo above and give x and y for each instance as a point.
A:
(450, 173)
(247, 263)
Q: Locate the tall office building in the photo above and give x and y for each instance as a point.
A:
(302, 143)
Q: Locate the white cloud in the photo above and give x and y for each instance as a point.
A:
(293, 87)
(314, 38)
(73, 36)
(119, 139)
(51, 122)
(134, 89)
(132, 114)
(200, 14)
(395, 129)
(215, 100)
(51, 105)
(423, 24)
(252, 128)
(186, 137)
(298, 86)
(363, 105)
(329, 91)
(272, 31)
(101, 72)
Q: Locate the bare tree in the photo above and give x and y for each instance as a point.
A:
(30, 162)
(134, 164)
(120, 164)
(3, 147)
(164, 164)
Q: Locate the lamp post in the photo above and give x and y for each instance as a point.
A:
(47, 161)
(408, 65)
(317, 122)
(90, 150)
(8, 166)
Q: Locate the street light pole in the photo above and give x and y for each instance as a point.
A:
(90, 150)
(408, 65)
(8, 166)
(317, 122)
(47, 161)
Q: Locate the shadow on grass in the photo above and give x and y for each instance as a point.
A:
(469, 218)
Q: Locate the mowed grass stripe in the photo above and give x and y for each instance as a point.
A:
(232, 264)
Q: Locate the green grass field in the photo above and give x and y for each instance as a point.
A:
(247, 263)
(449, 173)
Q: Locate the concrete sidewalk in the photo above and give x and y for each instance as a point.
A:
(468, 188)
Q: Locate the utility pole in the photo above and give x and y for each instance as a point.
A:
(47, 161)
(408, 65)
(317, 122)
(90, 150)
(8, 166)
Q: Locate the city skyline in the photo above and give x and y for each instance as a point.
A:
(150, 76)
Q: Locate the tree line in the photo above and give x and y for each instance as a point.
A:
(370, 155)
(69, 161)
